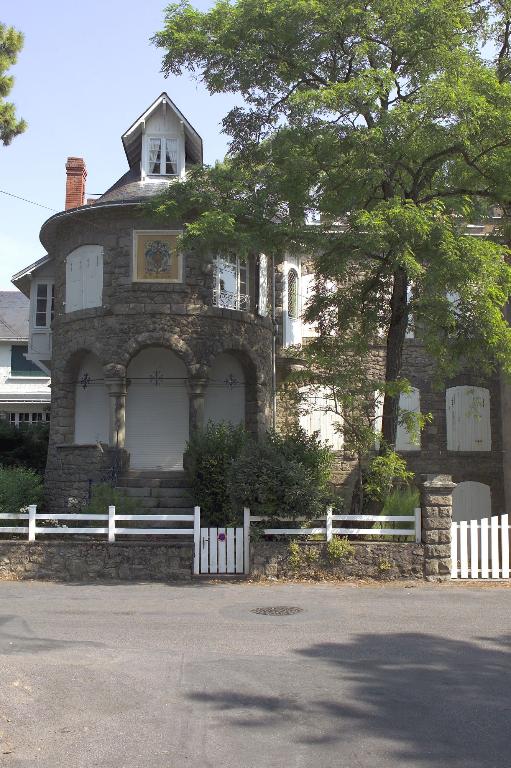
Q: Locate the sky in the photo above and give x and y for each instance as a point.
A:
(86, 72)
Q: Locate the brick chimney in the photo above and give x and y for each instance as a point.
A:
(76, 173)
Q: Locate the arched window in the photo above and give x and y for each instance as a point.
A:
(292, 294)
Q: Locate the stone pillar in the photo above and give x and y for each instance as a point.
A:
(196, 391)
(436, 502)
(117, 392)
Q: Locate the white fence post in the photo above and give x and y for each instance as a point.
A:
(196, 540)
(111, 524)
(418, 525)
(329, 524)
(31, 522)
(246, 541)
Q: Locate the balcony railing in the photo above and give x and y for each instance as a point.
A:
(231, 300)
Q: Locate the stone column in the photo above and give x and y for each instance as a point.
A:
(436, 502)
(196, 391)
(117, 392)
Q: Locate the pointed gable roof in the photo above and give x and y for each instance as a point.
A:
(131, 139)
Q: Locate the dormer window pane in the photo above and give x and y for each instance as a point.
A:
(155, 156)
(171, 157)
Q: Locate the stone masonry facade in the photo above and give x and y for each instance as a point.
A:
(179, 317)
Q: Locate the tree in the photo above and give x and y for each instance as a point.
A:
(11, 43)
(391, 121)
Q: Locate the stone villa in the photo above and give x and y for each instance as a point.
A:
(145, 345)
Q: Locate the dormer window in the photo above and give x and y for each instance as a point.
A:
(162, 159)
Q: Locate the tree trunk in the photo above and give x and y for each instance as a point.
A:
(393, 364)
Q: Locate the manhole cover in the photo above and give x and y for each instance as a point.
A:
(278, 610)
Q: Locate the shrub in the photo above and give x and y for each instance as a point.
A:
(24, 446)
(210, 455)
(104, 496)
(384, 473)
(282, 476)
(402, 502)
(19, 487)
(279, 475)
(340, 548)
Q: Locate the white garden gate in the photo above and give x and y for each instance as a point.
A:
(223, 550)
(480, 548)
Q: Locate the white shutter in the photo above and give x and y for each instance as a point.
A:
(84, 278)
(93, 277)
(74, 282)
(157, 410)
(471, 501)
(92, 411)
(225, 394)
(317, 418)
(408, 401)
(468, 419)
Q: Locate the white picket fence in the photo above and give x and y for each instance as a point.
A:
(480, 548)
(328, 530)
(111, 529)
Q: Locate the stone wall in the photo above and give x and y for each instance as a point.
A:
(179, 317)
(368, 560)
(96, 560)
(71, 471)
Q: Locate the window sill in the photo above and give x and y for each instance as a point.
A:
(21, 377)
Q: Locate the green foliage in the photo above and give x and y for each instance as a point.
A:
(209, 458)
(19, 487)
(294, 560)
(24, 446)
(384, 565)
(277, 475)
(388, 117)
(402, 501)
(11, 43)
(384, 473)
(340, 548)
(282, 476)
(104, 496)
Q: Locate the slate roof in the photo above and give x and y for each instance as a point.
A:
(130, 189)
(14, 309)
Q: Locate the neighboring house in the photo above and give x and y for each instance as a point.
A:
(145, 343)
(24, 386)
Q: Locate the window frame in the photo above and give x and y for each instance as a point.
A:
(163, 154)
(50, 304)
(241, 302)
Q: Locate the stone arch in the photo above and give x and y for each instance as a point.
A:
(171, 341)
(256, 411)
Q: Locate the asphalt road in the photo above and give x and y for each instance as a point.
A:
(156, 676)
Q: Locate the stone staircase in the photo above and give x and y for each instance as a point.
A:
(158, 493)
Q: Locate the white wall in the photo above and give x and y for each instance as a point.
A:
(18, 386)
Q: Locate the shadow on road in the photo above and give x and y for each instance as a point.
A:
(426, 699)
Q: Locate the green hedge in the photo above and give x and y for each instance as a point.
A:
(24, 446)
(277, 475)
